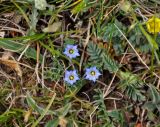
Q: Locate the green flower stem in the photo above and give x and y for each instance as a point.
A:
(152, 41)
(155, 53)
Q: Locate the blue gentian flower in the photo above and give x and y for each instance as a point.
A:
(92, 73)
(71, 77)
(71, 51)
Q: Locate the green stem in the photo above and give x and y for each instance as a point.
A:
(151, 41)
(155, 53)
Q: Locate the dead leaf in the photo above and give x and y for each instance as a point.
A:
(138, 125)
(11, 63)
(62, 122)
(53, 27)
(27, 115)
(9, 14)
(6, 55)
(17, 18)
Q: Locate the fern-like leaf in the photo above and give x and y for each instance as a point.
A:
(132, 85)
(95, 52)
(109, 63)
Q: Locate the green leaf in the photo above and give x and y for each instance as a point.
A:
(34, 105)
(72, 91)
(79, 7)
(152, 42)
(131, 84)
(98, 55)
(69, 41)
(6, 116)
(64, 110)
(149, 106)
(95, 52)
(157, 125)
(129, 77)
(32, 53)
(45, 111)
(25, 39)
(11, 45)
(155, 95)
(110, 64)
(18, 47)
(151, 115)
(114, 114)
(34, 18)
(52, 123)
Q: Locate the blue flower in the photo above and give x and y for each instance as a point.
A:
(71, 77)
(71, 51)
(92, 73)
